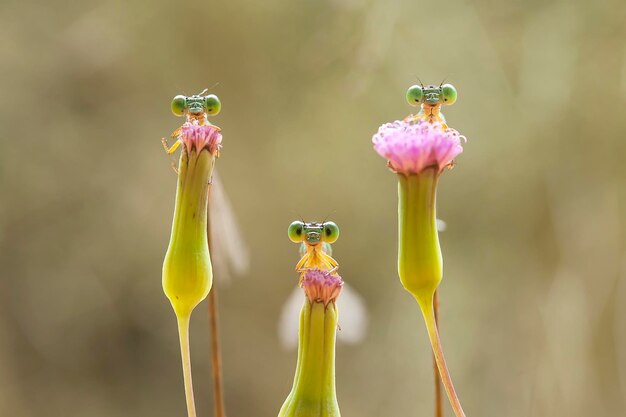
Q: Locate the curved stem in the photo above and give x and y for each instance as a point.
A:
(183, 334)
(437, 378)
(429, 317)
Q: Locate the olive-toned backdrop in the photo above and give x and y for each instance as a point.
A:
(534, 292)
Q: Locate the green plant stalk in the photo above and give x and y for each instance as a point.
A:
(313, 393)
(183, 336)
(187, 270)
(420, 263)
(437, 378)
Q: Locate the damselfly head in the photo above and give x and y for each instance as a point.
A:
(313, 233)
(196, 106)
(431, 95)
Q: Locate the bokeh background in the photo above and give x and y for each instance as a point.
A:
(534, 294)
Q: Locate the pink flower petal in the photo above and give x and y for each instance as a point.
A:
(321, 286)
(410, 147)
(196, 136)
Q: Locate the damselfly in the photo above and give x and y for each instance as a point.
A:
(230, 253)
(195, 108)
(315, 240)
(315, 245)
(430, 99)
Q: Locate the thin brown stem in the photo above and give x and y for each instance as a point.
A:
(216, 351)
(433, 335)
(437, 378)
(216, 356)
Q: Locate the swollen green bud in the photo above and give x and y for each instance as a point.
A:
(313, 393)
(187, 271)
(420, 264)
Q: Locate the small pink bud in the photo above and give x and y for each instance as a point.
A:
(198, 137)
(321, 286)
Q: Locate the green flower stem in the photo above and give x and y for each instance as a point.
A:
(187, 270)
(435, 342)
(313, 393)
(183, 335)
(437, 378)
(305, 315)
(420, 264)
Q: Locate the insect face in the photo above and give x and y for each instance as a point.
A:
(313, 233)
(196, 105)
(432, 95)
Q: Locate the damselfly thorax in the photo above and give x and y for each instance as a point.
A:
(429, 113)
(318, 256)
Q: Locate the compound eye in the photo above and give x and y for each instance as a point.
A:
(448, 92)
(296, 231)
(213, 104)
(414, 95)
(331, 232)
(179, 103)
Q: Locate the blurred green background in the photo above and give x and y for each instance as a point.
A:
(534, 294)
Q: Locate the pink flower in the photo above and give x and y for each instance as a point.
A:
(196, 136)
(411, 147)
(321, 286)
